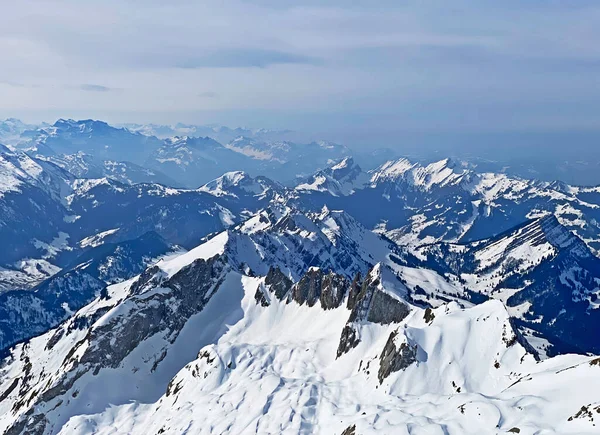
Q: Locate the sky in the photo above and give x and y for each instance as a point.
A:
(355, 70)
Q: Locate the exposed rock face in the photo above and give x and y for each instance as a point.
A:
(374, 305)
(333, 290)
(156, 305)
(315, 286)
(428, 316)
(348, 340)
(308, 289)
(394, 358)
(279, 284)
(261, 298)
(385, 309)
(354, 291)
(148, 279)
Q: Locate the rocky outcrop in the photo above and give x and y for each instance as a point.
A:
(315, 286)
(354, 291)
(374, 304)
(156, 305)
(334, 288)
(348, 340)
(278, 283)
(393, 358)
(308, 289)
(386, 309)
(261, 298)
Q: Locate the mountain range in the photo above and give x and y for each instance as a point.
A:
(137, 296)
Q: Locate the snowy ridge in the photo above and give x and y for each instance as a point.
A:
(544, 273)
(18, 170)
(341, 179)
(443, 201)
(232, 182)
(438, 174)
(211, 359)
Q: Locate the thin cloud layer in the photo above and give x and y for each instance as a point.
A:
(412, 60)
(94, 88)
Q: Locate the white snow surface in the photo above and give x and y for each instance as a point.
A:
(96, 239)
(238, 367)
(341, 179)
(226, 184)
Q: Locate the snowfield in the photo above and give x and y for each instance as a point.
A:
(236, 366)
(247, 307)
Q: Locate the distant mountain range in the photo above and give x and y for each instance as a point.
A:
(326, 298)
(90, 149)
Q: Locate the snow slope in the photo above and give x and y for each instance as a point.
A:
(186, 348)
(416, 204)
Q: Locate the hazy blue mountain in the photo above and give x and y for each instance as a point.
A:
(97, 138)
(26, 313)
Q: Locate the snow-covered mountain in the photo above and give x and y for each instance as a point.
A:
(239, 184)
(193, 161)
(413, 298)
(341, 179)
(31, 210)
(49, 216)
(219, 133)
(104, 142)
(185, 155)
(27, 313)
(83, 165)
(547, 276)
(11, 130)
(208, 342)
(417, 204)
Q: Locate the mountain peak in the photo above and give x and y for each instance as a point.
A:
(340, 179)
(562, 238)
(392, 170)
(238, 183)
(346, 162)
(442, 173)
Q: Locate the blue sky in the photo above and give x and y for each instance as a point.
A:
(330, 66)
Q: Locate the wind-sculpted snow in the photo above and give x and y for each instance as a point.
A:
(188, 347)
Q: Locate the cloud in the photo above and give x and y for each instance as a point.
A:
(13, 84)
(240, 58)
(95, 88)
(427, 64)
(208, 94)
